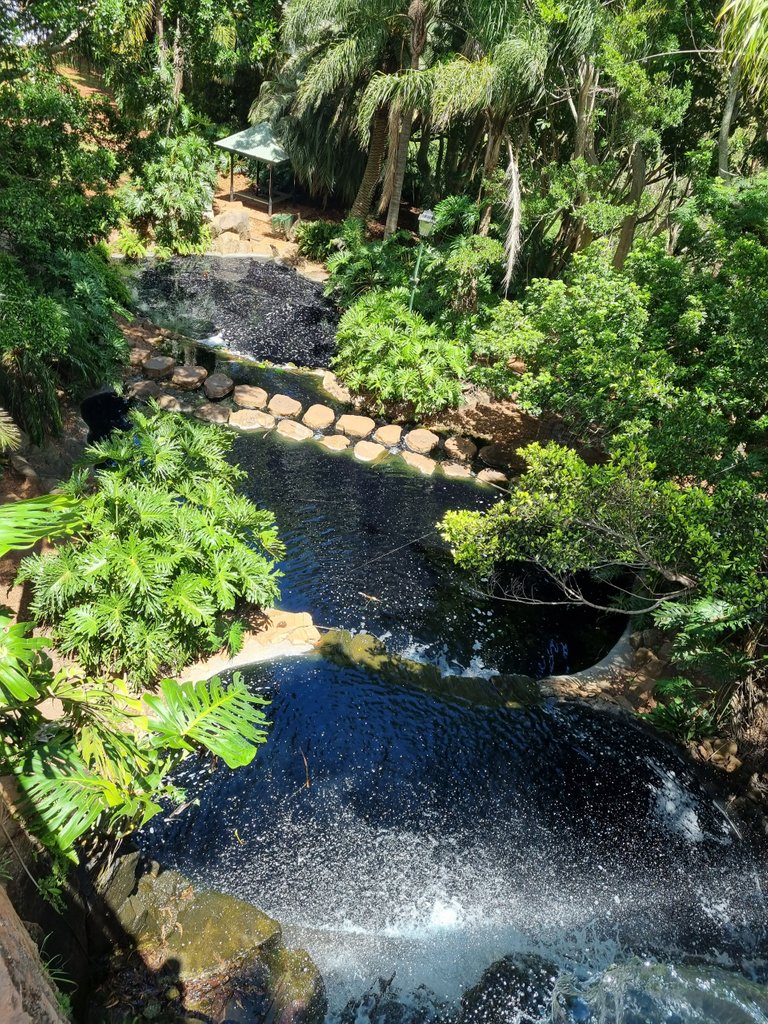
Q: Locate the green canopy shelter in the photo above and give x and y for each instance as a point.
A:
(257, 143)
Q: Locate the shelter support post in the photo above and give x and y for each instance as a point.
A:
(270, 190)
(231, 177)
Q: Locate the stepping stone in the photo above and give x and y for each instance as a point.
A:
(282, 405)
(456, 469)
(461, 449)
(421, 441)
(335, 388)
(249, 397)
(251, 419)
(189, 378)
(389, 435)
(159, 367)
(355, 426)
(335, 442)
(318, 417)
(296, 431)
(424, 465)
(216, 414)
(367, 451)
(497, 457)
(139, 355)
(170, 403)
(492, 476)
(218, 385)
(143, 390)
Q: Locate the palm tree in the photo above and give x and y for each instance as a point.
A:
(745, 41)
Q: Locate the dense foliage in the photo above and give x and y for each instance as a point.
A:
(167, 558)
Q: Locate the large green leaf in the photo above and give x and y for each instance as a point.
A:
(24, 523)
(227, 720)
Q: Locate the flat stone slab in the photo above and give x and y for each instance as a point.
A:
(143, 390)
(189, 378)
(368, 451)
(218, 385)
(355, 426)
(492, 476)
(420, 462)
(247, 396)
(388, 435)
(319, 417)
(456, 469)
(159, 367)
(296, 431)
(421, 441)
(335, 442)
(216, 414)
(139, 355)
(460, 449)
(282, 405)
(251, 419)
(170, 403)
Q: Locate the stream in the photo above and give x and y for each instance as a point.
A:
(411, 834)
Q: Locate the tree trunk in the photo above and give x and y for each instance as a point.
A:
(178, 63)
(490, 161)
(585, 108)
(628, 225)
(372, 173)
(729, 111)
(514, 210)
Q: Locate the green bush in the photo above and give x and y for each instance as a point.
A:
(394, 355)
(317, 239)
(166, 558)
(683, 709)
(170, 193)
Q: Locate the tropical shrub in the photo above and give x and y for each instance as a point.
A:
(168, 556)
(171, 191)
(393, 355)
(317, 239)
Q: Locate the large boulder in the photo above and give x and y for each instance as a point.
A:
(231, 221)
(228, 243)
(26, 993)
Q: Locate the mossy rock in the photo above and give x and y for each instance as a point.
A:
(296, 987)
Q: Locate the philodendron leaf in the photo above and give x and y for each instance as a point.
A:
(227, 720)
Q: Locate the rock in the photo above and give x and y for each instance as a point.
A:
(492, 476)
(498, 457)
(188, 378)
(296, 987)
(23, 468)
(282, 405)
(368, 451)
(236, 221)
(652, 638)
(249, 397)
(335, 442)
(170, 403)
(251, 419)
(355, 426)
(333, 386)
(424, 465)
(121, 880)
(421, 441)
(295, 431)
(139, 354)
(460, 449)
(216, 414)
(456, 469)
(319, 417)
(159, 367)
(388, 435)
(26, 994)
(514, 988)
(218, 385)
(143, 390)
(229, 242)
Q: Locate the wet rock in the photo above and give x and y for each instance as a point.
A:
(295, 431)
(460, 449)
(333, 386)
(424, 465)
(296, 987)
(143, 390)
(116, 887)
(319, 417)
(498, 457)
(421, 441)
(188, 378)
(456, 469)
(159, 367)
(249, 397)
(282, 405)
(388, 435)
(355, 426)
(236, 221)
(216, 414)
(335, 442)
(515, 988)
(492, 476)
(218, 385)
(368, 451)
(251, 419)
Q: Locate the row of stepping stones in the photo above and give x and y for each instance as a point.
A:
(256, 410)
